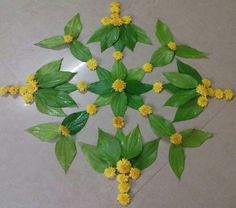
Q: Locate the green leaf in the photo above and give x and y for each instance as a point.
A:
(148, 155)
(185, 51)
(181, 80)
(129, 36)
(119, 104)
(45, 132)
(110, 38)
(172, 89)
(162, 57)
(120, 43)
(75, 122)
(134, 101)
(54, 79)
(161, 127)
(93, 158)
(102, 87)
(177, 159)
(136, 88)
(194, 137)
(44, 108)
(108, 148)
(188, 111)
(73, 27)
(186, 69)
(141, 35)
(100, 34)
(52, 42)
(56, 99)
(131, 146)
(67, 87)
(180, 98)
(65, 150)
(135, 74)
(163, 33)
(118, 71)
(103, 101)
(80, 51)
(120, 135)
(103, 73)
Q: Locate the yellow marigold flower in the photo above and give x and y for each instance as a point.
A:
(147, 68)
(115, 4)
(201, 90)
(176, 138)
(145, 110)
(114, 15)
(64, 131)
(4, 90)
(106, 21)
(116, 21)
(202, 101)
(123, 199)
(206, 83)
(32, 87)
(123, 188)
(219, 94)
(117, 55)
(115, 9)
(122, 178)
(110, 172)
(134, 173)
(91, 109)
(211, 92)
(228, 94)
(119, 85)
(157, 87)
(14, 90)
(29, 78)
(82, 86)
(118, 122)
(28, 98)
(126, 20)
(68, 38)
(172, 45)
(92, 64)
(123, 166)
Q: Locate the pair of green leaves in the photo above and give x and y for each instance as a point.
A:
(110, 149)
(164, 55)
(183, 86)
(191, 138)
(78, 49)
(131, 96)
(53, 89)
(119, 37)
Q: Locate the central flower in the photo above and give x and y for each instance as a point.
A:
(176, 138)
(119, 85)
(123, 166)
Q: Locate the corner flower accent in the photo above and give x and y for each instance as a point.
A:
(82, 87)
(119, 85)
(118, 122)
(145, 110)
(147, 68)
(110, 172)
(176, 138)
(64, 131)
(91, 109)
(158, 87)
(117, 55)
(92, 64)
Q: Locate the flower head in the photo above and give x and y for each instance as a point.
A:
(117, 55)
(32, 87)
(4, 90)
(134, 173)
(211, 92)
(91, 109)
(119, 85)
(14, 90)
(123, 166)
(114, 9)
(82, 86)
(30, 78)
(114, 4)
(172, 46)
(116, 21)
(206, 83)
(176, 138)
(202, 101)
(118, 122)
(219, 94)
(147, 68)
(122, 178)
(145, 110)
(114, 15)
(28, 98)
(123, 199)
(64, 131)
(228, 94)
(110, 172)
(201, 90)
(157, 87)
(106, 21)
(68, 38)
(123, 188)
(92, 64)
(126, 20)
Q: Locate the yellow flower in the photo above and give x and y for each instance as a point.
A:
(210, 92)
(219, 94)
(64, 131)
(92, 64)
(110, 172)
(29, 78)
(123, 199)
(23, 90)
(32, 87)
(134, 173)
(4, 90)
(28, 98)
(147, 68)
(157, 87)
(122, 178)
(91, 109)
(176, 138)
(14, 90)
(114, 15)
(116, 21)
(201, 90)
(114, 9)
(117, 55)
(228, 94)
(82, 86)
(123, 188)
(106, 21)
(126, 20)
(119, 85)
(172, 45)
(123, 166)
(115, 4)
(68, 38)
(202, 101)
(118, 122)
(145, 110)
(206, 83)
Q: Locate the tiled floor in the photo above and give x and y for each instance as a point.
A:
(29, 174)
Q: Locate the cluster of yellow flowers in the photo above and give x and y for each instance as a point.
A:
(124, 172)
(64, 131)
(145, 110)
(27, 91)
(115, 19)
(206, 91)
